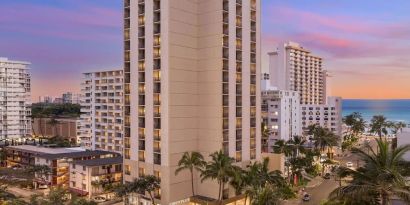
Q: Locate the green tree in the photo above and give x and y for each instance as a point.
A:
(282, 147)
(42, 171)
(297, 145)
(265, 133)
(266, 195)
(220, 168)
(239, 180)
(397, 127)
(382, 177)
(379, 125)
(355, 123)
(191, 161)
(261, 180)
(145, 184)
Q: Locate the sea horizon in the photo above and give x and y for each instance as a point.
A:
(393, 109)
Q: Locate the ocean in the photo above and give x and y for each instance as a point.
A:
(393, 110)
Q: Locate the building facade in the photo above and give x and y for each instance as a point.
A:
(66, 128)
(327, 115)
(88, 177)
(101, 121)
(295, 68)
(45, 99)
(15, 103)
(403, 138)
(192, 83)
(71, 98)
(281, 115)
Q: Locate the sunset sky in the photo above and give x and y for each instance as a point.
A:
(365, 44)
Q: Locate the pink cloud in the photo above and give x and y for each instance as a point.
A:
(61, 23)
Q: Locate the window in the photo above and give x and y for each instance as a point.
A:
(73, 166)
(73, 184)
(84, 168)
(84, 186)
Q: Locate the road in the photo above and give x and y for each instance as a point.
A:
(321, 192)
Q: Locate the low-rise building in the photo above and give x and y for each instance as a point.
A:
(65, 128)
(57, 159)
(89, 177)
(325, 115)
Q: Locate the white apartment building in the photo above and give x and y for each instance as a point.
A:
(192, 83)
(281, 115)
(15, 103)
(326, 115)
(101, 126)
(88, 176)
(293, 67)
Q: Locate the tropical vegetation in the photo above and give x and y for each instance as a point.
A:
(383, 176)
(191, 161)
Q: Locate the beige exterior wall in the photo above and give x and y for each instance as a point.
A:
(191, 95)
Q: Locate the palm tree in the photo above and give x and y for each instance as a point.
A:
(265, 133)
(266, 195)
(355, 123)
(282, 147)
(397, 127)
(191, 161)
(297, 143)
(239, 180)
(145, 184)
(382, 177)
(260, 179)
(379, 125)
(220, 168)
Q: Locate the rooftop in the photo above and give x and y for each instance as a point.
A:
(99, 161)
(46, 150)
(87, 153)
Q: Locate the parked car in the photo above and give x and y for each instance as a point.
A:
(99, 199)
(349, 164)
(306, 197)
(43, 186)
(326, 176)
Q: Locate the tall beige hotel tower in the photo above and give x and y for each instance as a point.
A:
(192, 83)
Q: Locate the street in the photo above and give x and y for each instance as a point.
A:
(321, 192)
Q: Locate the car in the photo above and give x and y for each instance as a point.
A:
(99, 199)
(306, 197)
(349, 164)
(43, 186)
(326, 176)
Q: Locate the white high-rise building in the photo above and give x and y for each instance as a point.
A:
(192, 83)
(293, 67)
(326, 115)
(15, 103)
(101, 121)
(281, 115)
